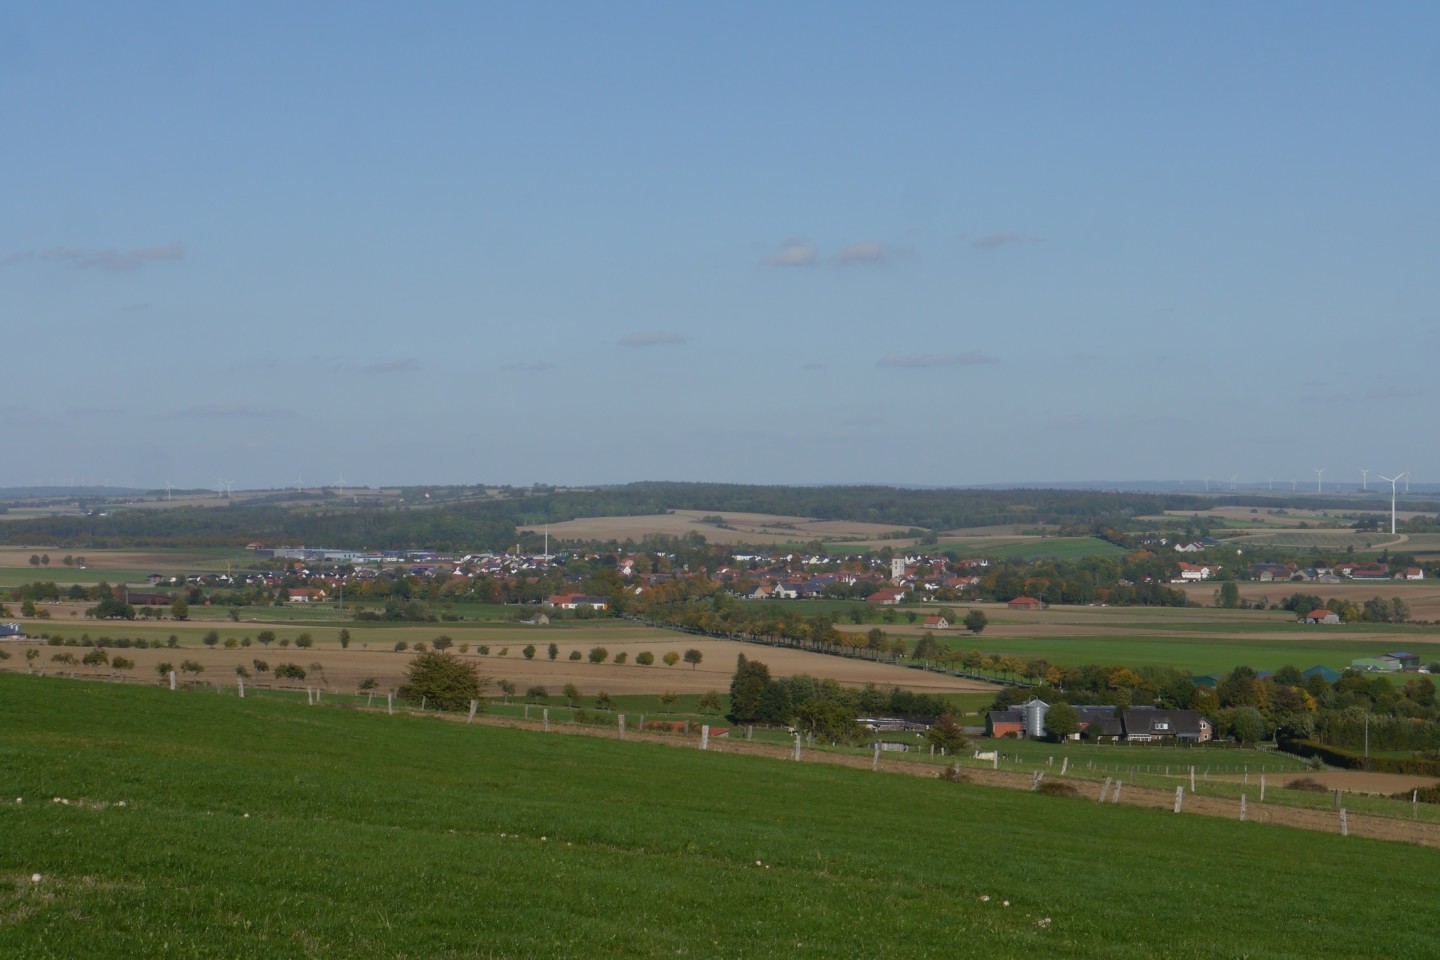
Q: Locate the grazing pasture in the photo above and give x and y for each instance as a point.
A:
(276, 829)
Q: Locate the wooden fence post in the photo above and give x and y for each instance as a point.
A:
(875, 760)
(172, 679)
(1064, 765)
(1344, 825)
(1104, 789)
(705, 737)
(797, 746)
(473, 705)
(1242, 808)
(1262, 788)
(621, 720)
(390, 703)
(1179, 798)
(1192, 778)
(547, 719)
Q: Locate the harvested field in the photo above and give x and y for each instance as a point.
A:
(343, 670)
(739, 528)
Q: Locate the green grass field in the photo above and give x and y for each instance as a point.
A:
(268, 828)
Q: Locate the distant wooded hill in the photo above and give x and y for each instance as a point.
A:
(488, 522)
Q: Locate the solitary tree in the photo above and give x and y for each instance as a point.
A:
(710, 702)
(443, 680)
(671, 658)
(211, 638)
(945, 734)
(572, 694)
(1061, 721)
(599, 654)
(344, 639)
(976, 621)
(529, 651)
(553, 651)
(693, 657)
(180, 610)
(645, 658)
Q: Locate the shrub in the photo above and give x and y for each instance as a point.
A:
(529, 652)
(260, 666)
(536, 693)
(122, 663)
(368, 684)
(442, 642)
(304, 641)
(575, 655)
(401, 646)
(191, 666)
(953, 774)
(95, 657)
(599, 654)
(645, 658)
(211, 638)
(620, 657)
(164, 668)
(443, 681)
(1308, 784)
(289, 671)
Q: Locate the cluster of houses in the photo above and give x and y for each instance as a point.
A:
(1321, 573)
(1133, 725)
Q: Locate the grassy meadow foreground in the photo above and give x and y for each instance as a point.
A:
(204, 825)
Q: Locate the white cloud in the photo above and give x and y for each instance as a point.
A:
(653, 338)
(236, 411)
(537, 366)
(1003, 238)
(970, 358)
(397, 365)
(796, 252)
(92, 258)
(869, 252)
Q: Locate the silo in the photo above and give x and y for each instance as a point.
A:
(1035, 710)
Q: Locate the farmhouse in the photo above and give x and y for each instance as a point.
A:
(936, 623)
(1135, 725)
(1144, 724)
(1191, 571)
(574, 601)
(1321, 615)
(1026, 603)
(11, 631)
(1411, 573)
(886, 598)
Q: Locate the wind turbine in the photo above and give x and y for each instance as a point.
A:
(1207, 483)
(219, 489)
(340, 482)
(167, 491)
(1233, 478)
(228, 485)
(299, 482)
(1319, 479)
(1272, 483)
(1364, 479)
(1392, 481)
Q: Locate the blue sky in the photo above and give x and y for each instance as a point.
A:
(814, 243)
